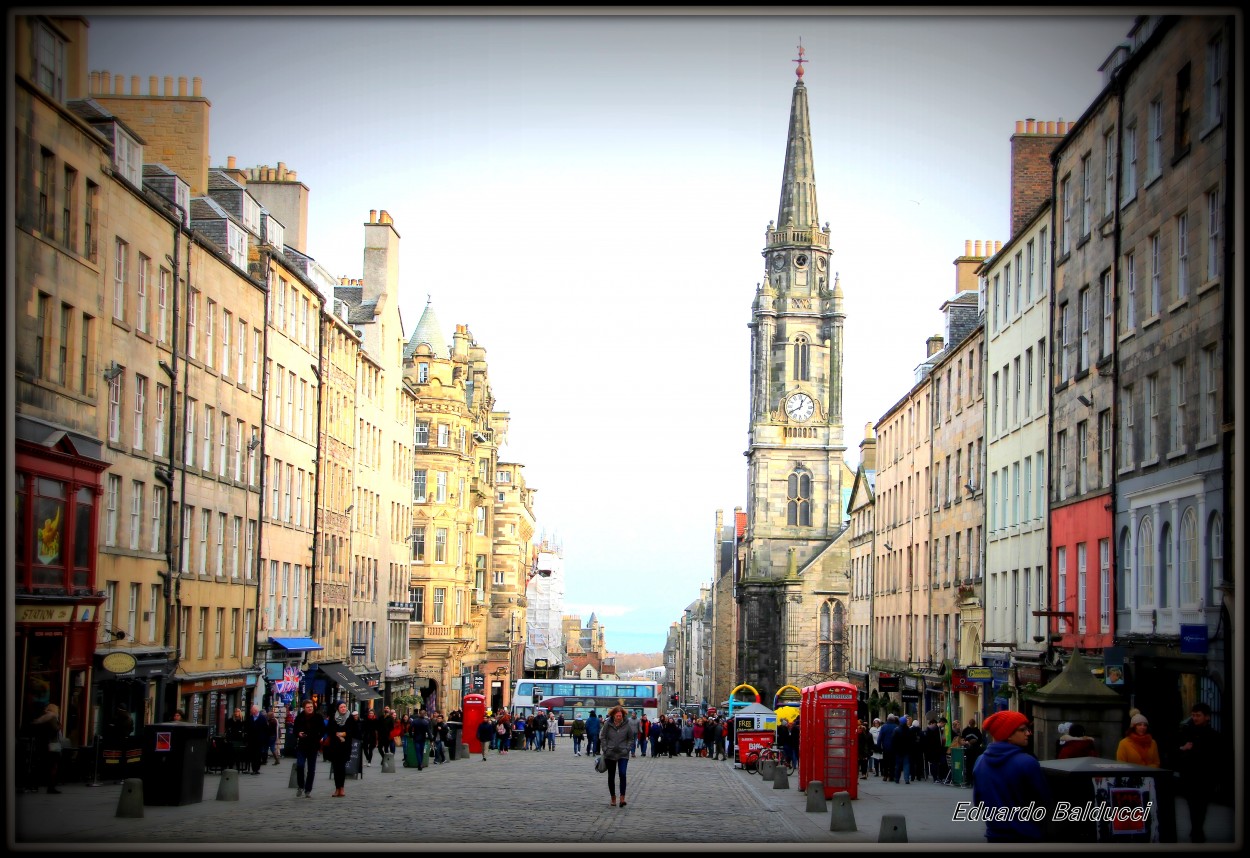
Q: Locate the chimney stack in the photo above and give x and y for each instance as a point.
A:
(933, 345)
(1030, 168)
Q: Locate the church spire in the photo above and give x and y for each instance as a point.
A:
(798, 179)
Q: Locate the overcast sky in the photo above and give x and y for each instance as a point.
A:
(589, 194)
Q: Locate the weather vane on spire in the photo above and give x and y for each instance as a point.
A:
(799, 69)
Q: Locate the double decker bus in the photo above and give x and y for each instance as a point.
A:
(576, 698)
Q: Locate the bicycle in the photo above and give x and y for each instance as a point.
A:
(775, 755)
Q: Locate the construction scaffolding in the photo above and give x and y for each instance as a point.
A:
(544, 635)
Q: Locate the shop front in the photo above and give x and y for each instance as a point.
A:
(332, 681)
(210, 699)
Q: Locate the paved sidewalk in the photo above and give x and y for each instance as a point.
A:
(522, 797)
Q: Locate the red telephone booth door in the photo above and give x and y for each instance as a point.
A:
(474, 706)
(836, 760)
(809, 737)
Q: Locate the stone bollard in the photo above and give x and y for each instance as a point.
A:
(463, 753)
(842, 816)
(767, 767)
(294, 782)
(130, 803)
(893, 829)
(228, 786)
(781, 780)
(815, 797)
(388, 764)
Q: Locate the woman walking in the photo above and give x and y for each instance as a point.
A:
(616, 737)
(1138, 746)
(343, 728)
(309, 728)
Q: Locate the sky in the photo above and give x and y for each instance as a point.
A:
(589, 193)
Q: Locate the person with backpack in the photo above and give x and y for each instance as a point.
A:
(419, 732)
(593, 725)
(486, 734)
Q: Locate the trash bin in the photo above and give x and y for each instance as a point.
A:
(959, 774)
(174, 756)
(1106, 801)
(453, 739)
(518, 740)
(410, 753)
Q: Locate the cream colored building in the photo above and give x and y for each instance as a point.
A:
(862, 509)
(513, 555)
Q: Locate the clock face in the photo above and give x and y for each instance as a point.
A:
(800, 407)
(779, 261)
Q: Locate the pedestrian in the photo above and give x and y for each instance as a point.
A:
(886, 737)
(271, 737)
(553, 730)
(644, 733)
(369, 737)
(486, 734)
(792, 746)
(578, 732)
(48, 744)
(864, 746)
(593, 724)
(670, 737)
(439, 733)
(712, 740)
(934, 750)
(617, 737)
(1008, 776)
(633, 720)
(386, 731)
(238, 736)
(419, 733)
(1074, 743)
(309, 730)
(875, 732)
(917, 749)
(1201, 761)
(973, 742)
(343, 729)
(503, 732)
(782, 737)
(258, 738)
(902, 751)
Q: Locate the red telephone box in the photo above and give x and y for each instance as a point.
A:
(474, 706)
(829, 715)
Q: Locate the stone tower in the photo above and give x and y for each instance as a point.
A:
(796, 472)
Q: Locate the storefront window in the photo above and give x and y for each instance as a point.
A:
(48, 531)
(44, 657)
(83, 518)
(19, 520)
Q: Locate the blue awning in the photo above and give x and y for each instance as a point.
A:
(296, 643)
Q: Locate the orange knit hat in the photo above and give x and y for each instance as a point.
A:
(1000, 725)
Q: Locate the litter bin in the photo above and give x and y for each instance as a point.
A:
(518, 740)
(453, 739)
(959, 772)
(1106, 801)
(174, 756)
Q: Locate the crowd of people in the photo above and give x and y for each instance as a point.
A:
(900, 750)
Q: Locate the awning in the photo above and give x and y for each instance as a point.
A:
(296, 643)
(343, 675)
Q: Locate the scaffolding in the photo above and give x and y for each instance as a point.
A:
(544, 634)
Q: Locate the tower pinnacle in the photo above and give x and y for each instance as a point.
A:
(798, 71)
(798, 178)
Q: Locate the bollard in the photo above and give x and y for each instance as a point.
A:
(781, 780)
(463, 753)
(294, 782)
(815, 797)
(388, 764)
(767, 767)
(228, 786)
(842, 816)
(893, 829)
(130, 803)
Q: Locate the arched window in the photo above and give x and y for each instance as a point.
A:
(826, 638)
(839, 635)
(1190, 593)
(1165, 562)
(1215, 555)
(1145, 564)
(802, 358)
(1124, 570)
(799, 498)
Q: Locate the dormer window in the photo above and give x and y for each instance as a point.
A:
(182, 196)
(236, 241)
(127, 156)
(251, 214)
(423, 373)
(274, 234)
(48, 61)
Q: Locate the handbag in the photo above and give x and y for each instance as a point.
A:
(601, 765)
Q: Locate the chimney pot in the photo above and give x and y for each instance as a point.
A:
(998, 245)
(968, 247)
(152, 85)
(1019, 126)
(231, 162)
(196, 85)
(978, 250)
(281, 171)
(182, 87)
(373, 215)
(169, 86)
(290, 175)
(93, 83)
(118, 83)
(106, 82)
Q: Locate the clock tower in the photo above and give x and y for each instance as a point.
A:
(797, 475)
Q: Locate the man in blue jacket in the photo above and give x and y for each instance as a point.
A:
(593, 724)
(1007, 782)
(885, 739)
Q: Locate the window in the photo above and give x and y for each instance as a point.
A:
(1108, 174)
(440, 545)
(112, 502)
(1040, 459)
(1041, 375)
(226, 323)
(115, 408)
(418, 485)
(1087, 194)
(219, 563)
(1108, 307)
(90, 216)
(1145, 564)
(1082, 457)
(1015, 396)
(236, 243)
(418, 544)
(119, 279)
(1080, 587)
(1182, 110)
(223, 445)
(62, 351)
(1082, 355)
(1065, 227)
(207, 463)
(1213, 234)
(247, 632)
(193, 312)
(210, 324)
(1006, 292)
(154, 596)
(48, 61)
(255, 358)
(1028, 487)
(1065, 342)
(1213, 96)
(423, 372)
(423, 434)
(994, 317)
(1126, 426)
(205, 522)
(1043, 268)
(236, 531)
(158, 435)
(1062, 453)
(1180, 409)
(1190, 587)
(128, 156)
(1061, 562)
(1128, 188)
(479, 515)
(444, 435)
(136, 513)
(1028, 280)
(110, 605)
(1209, 370)
(162, 307)
(440, 597)
(1124, 570)
(1154, 145)
(799, 499)
(440, 487)
(156, 533)
(241, 345)
(801, 358)
(1104, 448)
(1151, 446)
(1182, 256)
(1156, 268)
(1130, 291)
